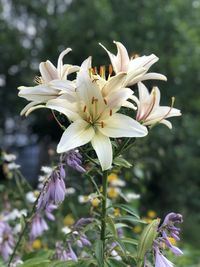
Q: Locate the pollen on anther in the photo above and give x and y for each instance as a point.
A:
(110, 69)
(102, 124)
(110, 112)
(84, 109)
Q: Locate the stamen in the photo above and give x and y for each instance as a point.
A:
(90, 72)
(102, 124)
(38, 80)
(105, 101)
(102, 72)
(84, 109)
(110, 112)
(110, 69)
(93, 99)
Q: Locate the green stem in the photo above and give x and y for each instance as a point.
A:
(103, 211)
(27, 222)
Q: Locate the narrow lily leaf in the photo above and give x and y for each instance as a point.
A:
(130, 241)
(130, 219)
(115, 263)
(119, 161)
(128, 209)
(146, 241)
(99, 252)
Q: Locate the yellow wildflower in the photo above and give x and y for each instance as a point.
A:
(151, 214)
(69, 220)
(116, 212)
(112, 177)
(137, 229)
(36, 244)
(95, 202)
(113, 192)
(147, 219)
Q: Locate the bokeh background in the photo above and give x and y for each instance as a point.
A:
(167, 163)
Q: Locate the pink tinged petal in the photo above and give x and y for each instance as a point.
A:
(48, 71)
(154, 76)
(60, 62)
(113, 59)
(122, 58)
(65, 107)
(77, 134)
(103, 148)
(119, 125)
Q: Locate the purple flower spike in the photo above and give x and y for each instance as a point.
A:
(48, 211)
(172, 218)
(161, 261)
(83, 222)
(54, 191)
(72, 254)
(74, 160)
(38, 226)
(6, 240)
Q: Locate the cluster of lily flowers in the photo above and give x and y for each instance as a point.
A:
(93, 100)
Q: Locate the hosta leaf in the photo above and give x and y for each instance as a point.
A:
(99, 252)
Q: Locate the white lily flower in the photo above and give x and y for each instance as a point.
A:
(51, 84)
(94, 119)
(136, 68)
(149, 110)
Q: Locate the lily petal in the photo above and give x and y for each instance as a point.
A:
(77, 134)
(65, 107)
(60, 61)
(48, 71)
(103, 148)
(119, 125)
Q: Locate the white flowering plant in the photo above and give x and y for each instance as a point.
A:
(104, 119)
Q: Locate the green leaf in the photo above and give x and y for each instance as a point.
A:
(99, 253)
(130, 219)
(111, 226)
(127, 208)
(130, 241)
(36, 262)
(115, 263)
(119, 161)
(146, 241)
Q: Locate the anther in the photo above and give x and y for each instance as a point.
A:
(105, 101)
(110, 112)
(102, 124)
(84, 109)
(110, 69)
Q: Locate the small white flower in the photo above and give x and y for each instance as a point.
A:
(13, 166)
(66, 230)
(132, 196)
(70, 191)
(31, 196)
(46, 170)
(9, 157)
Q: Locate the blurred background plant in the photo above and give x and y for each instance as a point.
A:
(167, 166)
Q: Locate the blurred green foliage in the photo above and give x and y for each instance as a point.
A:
(169, 162)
